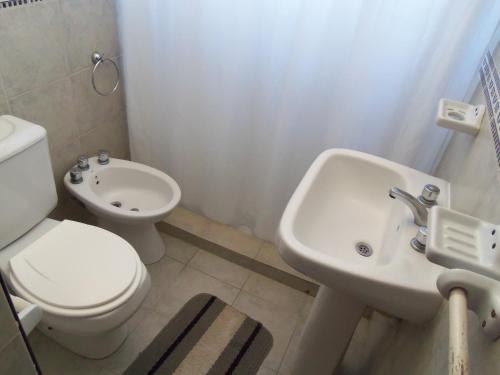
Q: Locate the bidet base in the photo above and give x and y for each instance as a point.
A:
(143, 237)
(327, 333)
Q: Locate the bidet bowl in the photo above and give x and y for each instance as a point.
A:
(128, 198)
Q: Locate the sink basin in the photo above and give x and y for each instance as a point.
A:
(342, 229)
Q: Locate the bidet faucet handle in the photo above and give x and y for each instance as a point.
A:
(103, 157)
(75, 175)
(83, 162)
(430, 194)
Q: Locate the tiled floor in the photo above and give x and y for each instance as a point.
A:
(236, 240)
(184, 272)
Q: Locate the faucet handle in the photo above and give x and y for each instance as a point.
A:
(420, 240)
(75, 175)
(83, 162)
(103, 157)
(429, 195)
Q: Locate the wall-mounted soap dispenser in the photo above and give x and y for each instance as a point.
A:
(459, 116)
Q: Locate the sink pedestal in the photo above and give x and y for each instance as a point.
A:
(328, 330)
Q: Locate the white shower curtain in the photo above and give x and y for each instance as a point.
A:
(235, 98)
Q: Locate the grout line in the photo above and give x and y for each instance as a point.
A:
(288, 345)
(54, 81)
(14, 336)
(236, 298)
(213, 277)
(266, 270)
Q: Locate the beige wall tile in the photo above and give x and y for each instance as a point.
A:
(4, 107)
(51, 107)
(32, 52)
(111, 135)
(63, 158)
(15, 359)
(91, 108)
(36, 83)
(90, 25)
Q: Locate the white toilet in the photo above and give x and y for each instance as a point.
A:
(87, 280)
(128, 198)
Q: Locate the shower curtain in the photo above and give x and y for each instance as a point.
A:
(235, 98)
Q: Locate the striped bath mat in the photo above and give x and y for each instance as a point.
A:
(206, 336)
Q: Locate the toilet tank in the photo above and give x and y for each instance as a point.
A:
(27, 188)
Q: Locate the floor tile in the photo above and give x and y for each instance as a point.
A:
(280, 322)
(55, 359)
(188, 284)
(163, 275)
(187, 220)
(220, 268)
(233, 239)
(137, 341)
(266, 371)
(275, 292)
(177, 249)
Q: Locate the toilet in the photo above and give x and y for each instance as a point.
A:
(128, 198)
(87, 281)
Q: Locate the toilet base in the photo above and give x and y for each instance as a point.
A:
(143, 237)
(90, 346)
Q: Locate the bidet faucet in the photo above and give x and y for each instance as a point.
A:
(418, 206)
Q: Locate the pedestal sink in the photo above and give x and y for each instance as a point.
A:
(341, 228)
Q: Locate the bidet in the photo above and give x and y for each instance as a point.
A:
(128, 198)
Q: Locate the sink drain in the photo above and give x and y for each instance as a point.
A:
(116, 204)
(134, 209)
(363, 249)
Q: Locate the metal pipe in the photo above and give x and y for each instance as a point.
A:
(458, 356)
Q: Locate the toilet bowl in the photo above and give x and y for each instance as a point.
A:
(87, 281)
(128, 198)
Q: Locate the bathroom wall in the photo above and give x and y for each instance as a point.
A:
(14, 357)
(45, 77)
(471, 165)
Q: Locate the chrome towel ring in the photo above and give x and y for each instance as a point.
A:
(97, 59)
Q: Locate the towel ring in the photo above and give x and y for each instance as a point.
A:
(97, 59)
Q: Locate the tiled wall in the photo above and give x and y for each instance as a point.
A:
(14, 357)
(45, 77)
(471, 166)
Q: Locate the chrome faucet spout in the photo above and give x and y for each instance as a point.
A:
(418, 206)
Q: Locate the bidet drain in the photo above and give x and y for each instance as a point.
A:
(362, 248)
(116, 204)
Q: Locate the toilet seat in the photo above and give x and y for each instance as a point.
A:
(77, 270)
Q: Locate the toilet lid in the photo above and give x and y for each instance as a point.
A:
(76, 266)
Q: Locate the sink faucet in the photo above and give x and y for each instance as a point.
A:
(418, 206)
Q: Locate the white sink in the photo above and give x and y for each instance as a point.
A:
(343, 201)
